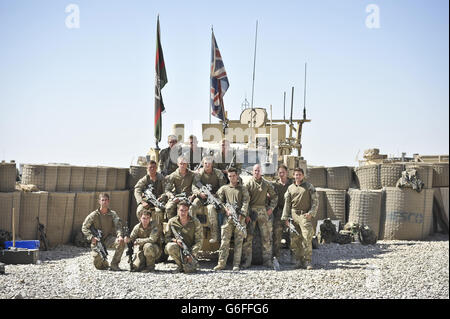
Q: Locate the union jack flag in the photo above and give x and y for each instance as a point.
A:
(219, 81)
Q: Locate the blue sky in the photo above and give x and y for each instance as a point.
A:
(85, 96)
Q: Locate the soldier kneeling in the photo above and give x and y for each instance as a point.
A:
(184, 238)
(146, 235)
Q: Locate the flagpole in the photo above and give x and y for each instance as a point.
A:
(209, 102)
(253, 86)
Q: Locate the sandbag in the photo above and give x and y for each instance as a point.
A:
(423, 171)
(440, 174)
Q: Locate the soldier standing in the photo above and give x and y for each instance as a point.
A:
(301, 204)
(156, 181)
(109, 223)
(195, 153)
(167, 156)
(259, 189)
(214, 178)
(178, 182)
(281, 185)
(225, 158)
(188, 230)
(147, 236)
(236, 195)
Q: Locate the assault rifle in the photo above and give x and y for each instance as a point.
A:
(182, 197)
(211, 200)
(99, 246)
(185, 252)
(130, 250)
(234, 216)
(292, 227)
(231, 163)
(151, 198)
(42, 235)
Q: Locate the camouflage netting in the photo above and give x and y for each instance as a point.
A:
(424, 172)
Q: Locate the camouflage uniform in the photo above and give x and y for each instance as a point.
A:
(258, 191)
(192, 234)
(222, 162)
(235, 196)
(216, 179)
(278, 225)
(149, 241)
(194, 157)
(167, 163)
(176, 184)
(111, 227)
(158, 190)
(299, 200)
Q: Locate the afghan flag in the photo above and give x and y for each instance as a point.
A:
(160, 81)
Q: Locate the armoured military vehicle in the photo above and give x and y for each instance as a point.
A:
(256, 138)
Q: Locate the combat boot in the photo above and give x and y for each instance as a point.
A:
(236, 268)
(220, 266)
(114, 267)
(148, 269)
(247, 263)
(308, 265)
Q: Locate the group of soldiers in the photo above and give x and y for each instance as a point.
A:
(171, 197)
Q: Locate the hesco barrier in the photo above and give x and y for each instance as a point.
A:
(440, 175)
(8, 175)
(135, 174)
(85, 203)
(365, 208)
(60, 218)
(339, 177)
(322, 209)
(317, 176)
(32, 206)
(368, 176)
(8, 201)
(390, 174)
(65, 178)
(423, 171)
(335, 201)
(408, 214)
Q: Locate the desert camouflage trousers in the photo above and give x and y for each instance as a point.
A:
(277, 230)
(228, 229)
(265, 227)
(173, 250)
(110, 243)
(301, 246)
(147, 256)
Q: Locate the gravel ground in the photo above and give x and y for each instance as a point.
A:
(389, 269)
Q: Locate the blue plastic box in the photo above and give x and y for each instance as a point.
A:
(30, 244)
